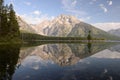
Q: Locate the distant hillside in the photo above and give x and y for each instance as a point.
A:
(65, 26)
(107, 26)
(115, 32)
(70, 26)
(82, 30)
(24, 27)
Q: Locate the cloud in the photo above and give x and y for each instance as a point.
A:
(107, 26)
(77, 12)
(85, 18)
(32, 19)
(70, 6)
(92, 2)
(27, 3)
(74, 3)
(37, 12)
(102, 6)
(110, 3)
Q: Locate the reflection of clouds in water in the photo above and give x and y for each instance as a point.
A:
(107, 54)
(30, 60)
(27, 76)
(105, 71)
(34, 62)
(84, 61)
(36, 67)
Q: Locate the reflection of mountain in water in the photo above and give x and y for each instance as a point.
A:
(64, 54)
(115, 48)
(8, 59)
(61, 54)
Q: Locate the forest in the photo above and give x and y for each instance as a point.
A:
(9, 28)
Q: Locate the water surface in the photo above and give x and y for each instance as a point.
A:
(60, 62)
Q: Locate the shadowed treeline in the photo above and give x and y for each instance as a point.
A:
(9, 55)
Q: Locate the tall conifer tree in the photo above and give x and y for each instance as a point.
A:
(9, 28)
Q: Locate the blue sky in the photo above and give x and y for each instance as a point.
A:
(91, 11)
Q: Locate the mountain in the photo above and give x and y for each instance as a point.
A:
(70, 26)
(107, 26)
(42, 28)
(24, 27)
(64, 26)
(115, 32)
(60, 26)
(81, 30)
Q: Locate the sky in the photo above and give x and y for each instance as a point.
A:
(90, 11)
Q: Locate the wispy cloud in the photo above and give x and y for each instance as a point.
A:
(27, 3)
(107, 26)
(85, 18)
(70, 6)
(92, 2)
(33, 19)
(109, 2)
(36, 12)
(102, 6)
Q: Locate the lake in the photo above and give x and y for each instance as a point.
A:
(63, 61)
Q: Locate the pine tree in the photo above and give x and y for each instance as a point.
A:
(13, 24)
(4, 23)
(9, 28)
(1, 6)
(89, 36)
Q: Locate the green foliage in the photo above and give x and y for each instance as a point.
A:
(9, 28)
(31, 37)
(89, 36)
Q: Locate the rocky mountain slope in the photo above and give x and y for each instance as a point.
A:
(82, 29)
(70, 26)
(65, 26)
(60, 26)
(24, 27)
(115, 32)
(42, 28)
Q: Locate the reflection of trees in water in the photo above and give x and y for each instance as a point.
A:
(64, 54)
(69, 54)
(89, 47)
(8, 59)
(86, 50)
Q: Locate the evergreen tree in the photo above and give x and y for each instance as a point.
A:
(89, 36)
(4, 23)
(13, 24)
(9, 28)
(1, 6)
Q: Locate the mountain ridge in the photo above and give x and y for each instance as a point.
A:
(24, 26)
(69, 26)
(115, 32)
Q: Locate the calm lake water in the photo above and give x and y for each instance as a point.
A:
(60, 62)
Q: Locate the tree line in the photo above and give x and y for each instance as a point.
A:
(9, 28)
